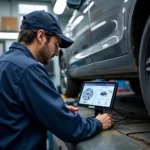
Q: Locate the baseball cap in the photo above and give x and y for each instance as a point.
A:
(37, 20)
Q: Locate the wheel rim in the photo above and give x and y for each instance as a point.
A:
(64, 79)
(147, 66)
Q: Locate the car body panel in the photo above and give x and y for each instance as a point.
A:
(107, 42)
(110, 24)
(110, 47)
(80, 33)
(108, 69)
(128, 33)
(107, 27)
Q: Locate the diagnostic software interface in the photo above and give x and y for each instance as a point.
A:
(97, 94)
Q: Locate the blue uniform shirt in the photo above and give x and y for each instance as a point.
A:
(30, 104)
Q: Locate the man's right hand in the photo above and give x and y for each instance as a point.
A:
(106, 120)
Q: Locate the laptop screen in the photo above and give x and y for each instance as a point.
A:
(100, 94)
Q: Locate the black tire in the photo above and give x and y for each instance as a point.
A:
(69, 87)
(135, 86)
(144, 65)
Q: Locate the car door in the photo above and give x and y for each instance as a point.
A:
(107, 25)
(80, 33)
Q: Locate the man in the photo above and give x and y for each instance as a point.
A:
(29, 102)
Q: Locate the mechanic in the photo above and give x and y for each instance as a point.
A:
(29, 103)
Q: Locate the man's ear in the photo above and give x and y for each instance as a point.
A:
(41, 36)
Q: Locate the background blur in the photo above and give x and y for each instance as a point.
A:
(11, 15)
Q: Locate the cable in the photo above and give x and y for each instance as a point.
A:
(133, 122)
(129, 119)
(119, 120)
(137, 132)
(119, 112)
(128, 134)
(124, 121)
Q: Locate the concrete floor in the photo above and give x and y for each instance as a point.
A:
(133, 130)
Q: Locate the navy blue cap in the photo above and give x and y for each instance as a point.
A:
(37, 20)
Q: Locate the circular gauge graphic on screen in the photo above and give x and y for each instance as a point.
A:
(87, 94)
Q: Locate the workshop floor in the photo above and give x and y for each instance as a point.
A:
(131, 121)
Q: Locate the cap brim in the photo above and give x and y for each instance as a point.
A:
(65, 41)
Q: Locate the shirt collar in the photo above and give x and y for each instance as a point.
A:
(17, 45)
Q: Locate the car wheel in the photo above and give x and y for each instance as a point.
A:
(144, 65)
(69, 87)
(135, 86)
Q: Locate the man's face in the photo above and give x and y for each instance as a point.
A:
(49, 50)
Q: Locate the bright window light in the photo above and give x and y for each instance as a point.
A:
(9, 35)
(27, 8)
(24, 9)
(59, 7)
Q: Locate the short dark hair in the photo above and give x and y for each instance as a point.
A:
(28, 36)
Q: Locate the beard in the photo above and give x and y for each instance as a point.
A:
(44, 55)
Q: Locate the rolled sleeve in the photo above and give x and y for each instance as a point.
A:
(44, 103)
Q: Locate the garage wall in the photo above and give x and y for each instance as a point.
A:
(5, 10)
(8, 8)
(11, 9)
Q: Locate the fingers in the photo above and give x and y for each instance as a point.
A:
(105, 114)
(106, 120)
(106, 126)
(76, 108)
(73, 109)
(110, 122)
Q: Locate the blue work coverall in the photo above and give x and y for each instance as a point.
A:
(30, 105)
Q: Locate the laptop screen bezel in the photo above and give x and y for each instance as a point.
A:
(96, 106)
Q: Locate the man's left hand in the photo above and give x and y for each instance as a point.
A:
(73, 109)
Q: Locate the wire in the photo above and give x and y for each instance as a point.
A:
(119, 112)
(119, 120)
(124, 121)
(137, 132)
(129, 119)
(128, 134)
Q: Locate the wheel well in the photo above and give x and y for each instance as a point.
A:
(141, 14)
(60, 54)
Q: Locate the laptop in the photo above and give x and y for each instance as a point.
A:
(98, 95)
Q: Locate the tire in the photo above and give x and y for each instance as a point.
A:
(69, 87)
(144, 65)
(135, 86)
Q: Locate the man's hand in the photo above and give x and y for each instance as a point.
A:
(73, 109)
(106, 120)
